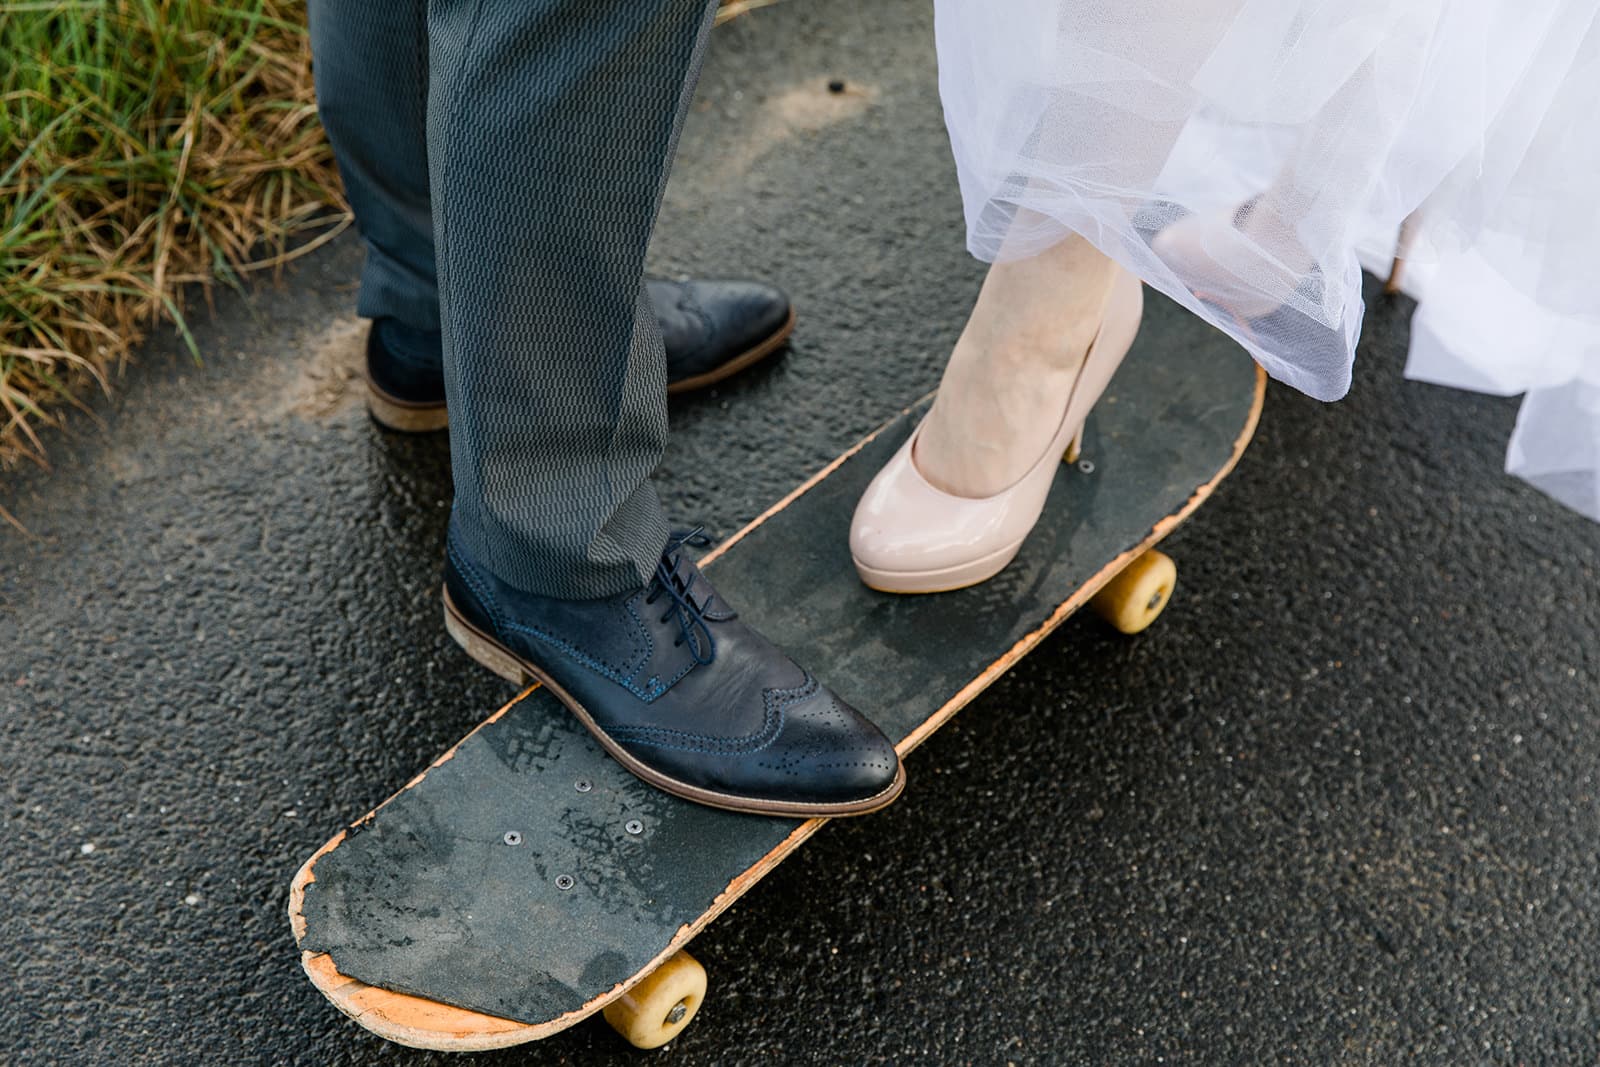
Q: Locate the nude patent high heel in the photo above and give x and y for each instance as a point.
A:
(909, 536)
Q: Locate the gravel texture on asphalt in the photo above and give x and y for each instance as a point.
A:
(1338, 805)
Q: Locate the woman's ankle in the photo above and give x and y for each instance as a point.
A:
(1012, 370)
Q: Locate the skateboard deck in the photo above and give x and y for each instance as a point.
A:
(525, 880)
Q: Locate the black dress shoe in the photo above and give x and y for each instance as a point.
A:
(711, 329)
(405, 377)
(715, 329)
(679, 691)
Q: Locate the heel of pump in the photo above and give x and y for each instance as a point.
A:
(1074, 447)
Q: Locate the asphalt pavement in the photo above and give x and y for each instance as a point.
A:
(1337, 806)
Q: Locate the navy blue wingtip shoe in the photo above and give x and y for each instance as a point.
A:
(405, 377)
(680, 692)
(711, 329)
(714, 328)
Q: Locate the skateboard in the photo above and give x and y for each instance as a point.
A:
(525, 881)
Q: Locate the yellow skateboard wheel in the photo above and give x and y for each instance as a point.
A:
(1133, 599)
(657, 1009)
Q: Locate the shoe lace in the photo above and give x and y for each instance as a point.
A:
(676, 582)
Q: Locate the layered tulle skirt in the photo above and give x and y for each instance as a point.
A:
(1243, 156)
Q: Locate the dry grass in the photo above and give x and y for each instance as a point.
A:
(144, 145)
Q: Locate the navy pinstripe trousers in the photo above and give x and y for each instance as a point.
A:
(505, 160)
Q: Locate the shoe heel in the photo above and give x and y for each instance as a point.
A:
(403, 418)
(484, 651)
(1119, 325)
(1074, 447)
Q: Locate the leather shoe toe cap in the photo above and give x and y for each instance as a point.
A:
(818, 753)
(827, 753)
(707, 323)
(746, 312)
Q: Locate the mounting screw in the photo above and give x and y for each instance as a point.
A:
(583, 785)
(513, 837)
(634, 826)
(564, 882)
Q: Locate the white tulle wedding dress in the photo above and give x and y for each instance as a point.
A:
(1244, 156)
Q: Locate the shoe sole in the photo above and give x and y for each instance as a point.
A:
(942, 580)
(507, 664)
(405, 416)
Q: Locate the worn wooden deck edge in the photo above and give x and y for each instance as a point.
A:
(418, 1022)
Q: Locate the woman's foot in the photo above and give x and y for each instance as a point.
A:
(954, 505)
(1012, 369)
(1249, 263)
